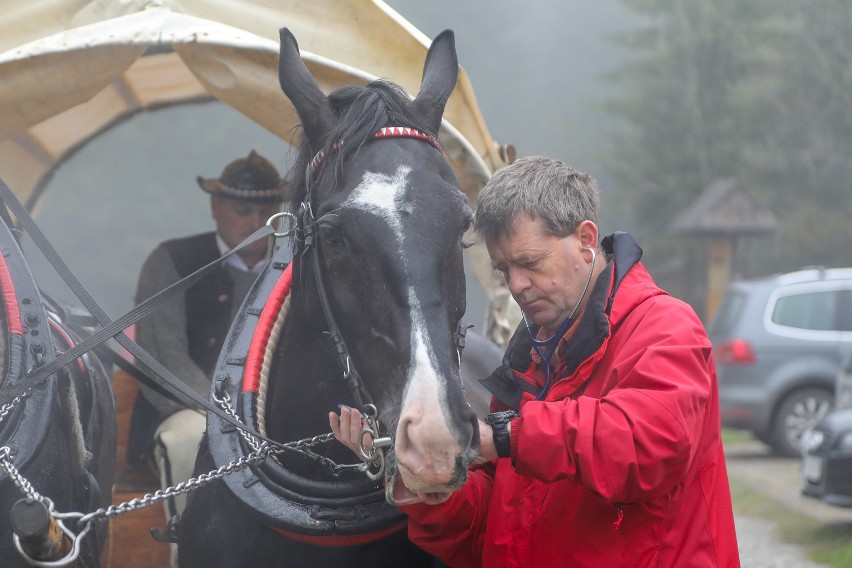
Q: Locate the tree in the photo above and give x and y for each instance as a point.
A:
(755, 90)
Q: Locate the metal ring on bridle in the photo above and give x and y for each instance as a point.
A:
(375, 454)
(368, 455)
(370, 411)
(289, 232)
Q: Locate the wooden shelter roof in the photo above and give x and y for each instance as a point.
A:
(725, 208)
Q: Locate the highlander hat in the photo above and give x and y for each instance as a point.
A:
(248, 179)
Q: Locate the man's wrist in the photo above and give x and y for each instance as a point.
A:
(500, 423)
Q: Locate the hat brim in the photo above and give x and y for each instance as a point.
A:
(214, 186)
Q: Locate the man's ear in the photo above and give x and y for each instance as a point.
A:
(587, 234)
(214, 207)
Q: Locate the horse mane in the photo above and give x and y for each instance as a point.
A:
(362, 111)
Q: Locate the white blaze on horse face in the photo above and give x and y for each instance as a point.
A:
(426, 449)
(382, 195)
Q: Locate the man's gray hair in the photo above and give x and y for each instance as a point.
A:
(546, 189)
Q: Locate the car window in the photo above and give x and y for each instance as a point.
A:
(813, 310)
(844, 310)
(726, 315)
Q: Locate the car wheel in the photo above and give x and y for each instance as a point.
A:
(799, 410)
(765, 437)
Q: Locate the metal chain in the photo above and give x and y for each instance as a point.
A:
(261, 451)
(225, 404)
(183, 487)
(20, 481)
(7, 408)
(301, 447)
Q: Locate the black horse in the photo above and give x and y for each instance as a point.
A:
(60, 434)
(373, 299)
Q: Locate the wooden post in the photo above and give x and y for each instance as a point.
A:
(719, 255)
(39, 535)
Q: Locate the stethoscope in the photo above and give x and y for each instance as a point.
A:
(551, 342)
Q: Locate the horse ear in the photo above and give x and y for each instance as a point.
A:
(440, 74)
(304, 92)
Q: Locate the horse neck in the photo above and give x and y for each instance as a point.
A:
(306, 381)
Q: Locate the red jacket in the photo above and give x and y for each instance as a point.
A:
(620, 465)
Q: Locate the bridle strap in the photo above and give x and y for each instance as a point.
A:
(169, 384)
(309, 241)
(386, 132)
(333, 335)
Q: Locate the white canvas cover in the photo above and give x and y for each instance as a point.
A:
(69, 69)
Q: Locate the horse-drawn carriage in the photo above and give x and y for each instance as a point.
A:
(79, 69)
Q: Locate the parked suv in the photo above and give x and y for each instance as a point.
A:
(778, 342)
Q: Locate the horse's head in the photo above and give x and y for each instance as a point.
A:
(389, 218)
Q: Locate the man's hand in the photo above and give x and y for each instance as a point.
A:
(347, 429)
(487, 449)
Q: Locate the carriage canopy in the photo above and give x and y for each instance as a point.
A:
(71, 69)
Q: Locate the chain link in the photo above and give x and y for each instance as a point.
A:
(301, 446)
(183, 487)
(261, 450)
(7, 408)
(20, 481)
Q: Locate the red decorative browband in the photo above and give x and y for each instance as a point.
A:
(386, 132)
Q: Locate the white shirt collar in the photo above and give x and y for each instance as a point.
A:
(235, 260)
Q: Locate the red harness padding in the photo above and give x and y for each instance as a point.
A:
(251, 382)
(10, 299)
(69, 343)
(337, 540)
(257, 348)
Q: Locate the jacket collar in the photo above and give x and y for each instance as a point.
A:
(622, 253)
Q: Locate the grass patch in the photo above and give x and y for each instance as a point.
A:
(827, 544)
(731, 436)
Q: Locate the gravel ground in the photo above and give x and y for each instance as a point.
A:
(752, 464)
(760, 547)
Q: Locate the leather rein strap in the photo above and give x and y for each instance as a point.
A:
(166, 380)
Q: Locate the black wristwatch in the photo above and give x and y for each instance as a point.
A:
(499, 425)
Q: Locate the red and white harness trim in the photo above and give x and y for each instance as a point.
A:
(386, 132)
(254, 383)
(10, 300)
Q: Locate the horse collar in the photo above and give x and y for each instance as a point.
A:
(386, 132)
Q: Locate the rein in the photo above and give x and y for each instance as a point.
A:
(166, 382)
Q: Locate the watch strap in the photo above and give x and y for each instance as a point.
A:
(499, 422)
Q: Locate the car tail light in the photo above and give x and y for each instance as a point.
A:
(735, 352)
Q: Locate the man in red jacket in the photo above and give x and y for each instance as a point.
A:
(603, 447)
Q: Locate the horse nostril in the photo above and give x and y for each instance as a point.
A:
(402, 436)
(403, 448)
(474, 436)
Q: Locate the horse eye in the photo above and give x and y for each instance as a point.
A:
(466, 244)
(334, 241)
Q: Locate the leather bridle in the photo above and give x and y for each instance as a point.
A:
(307, 242)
